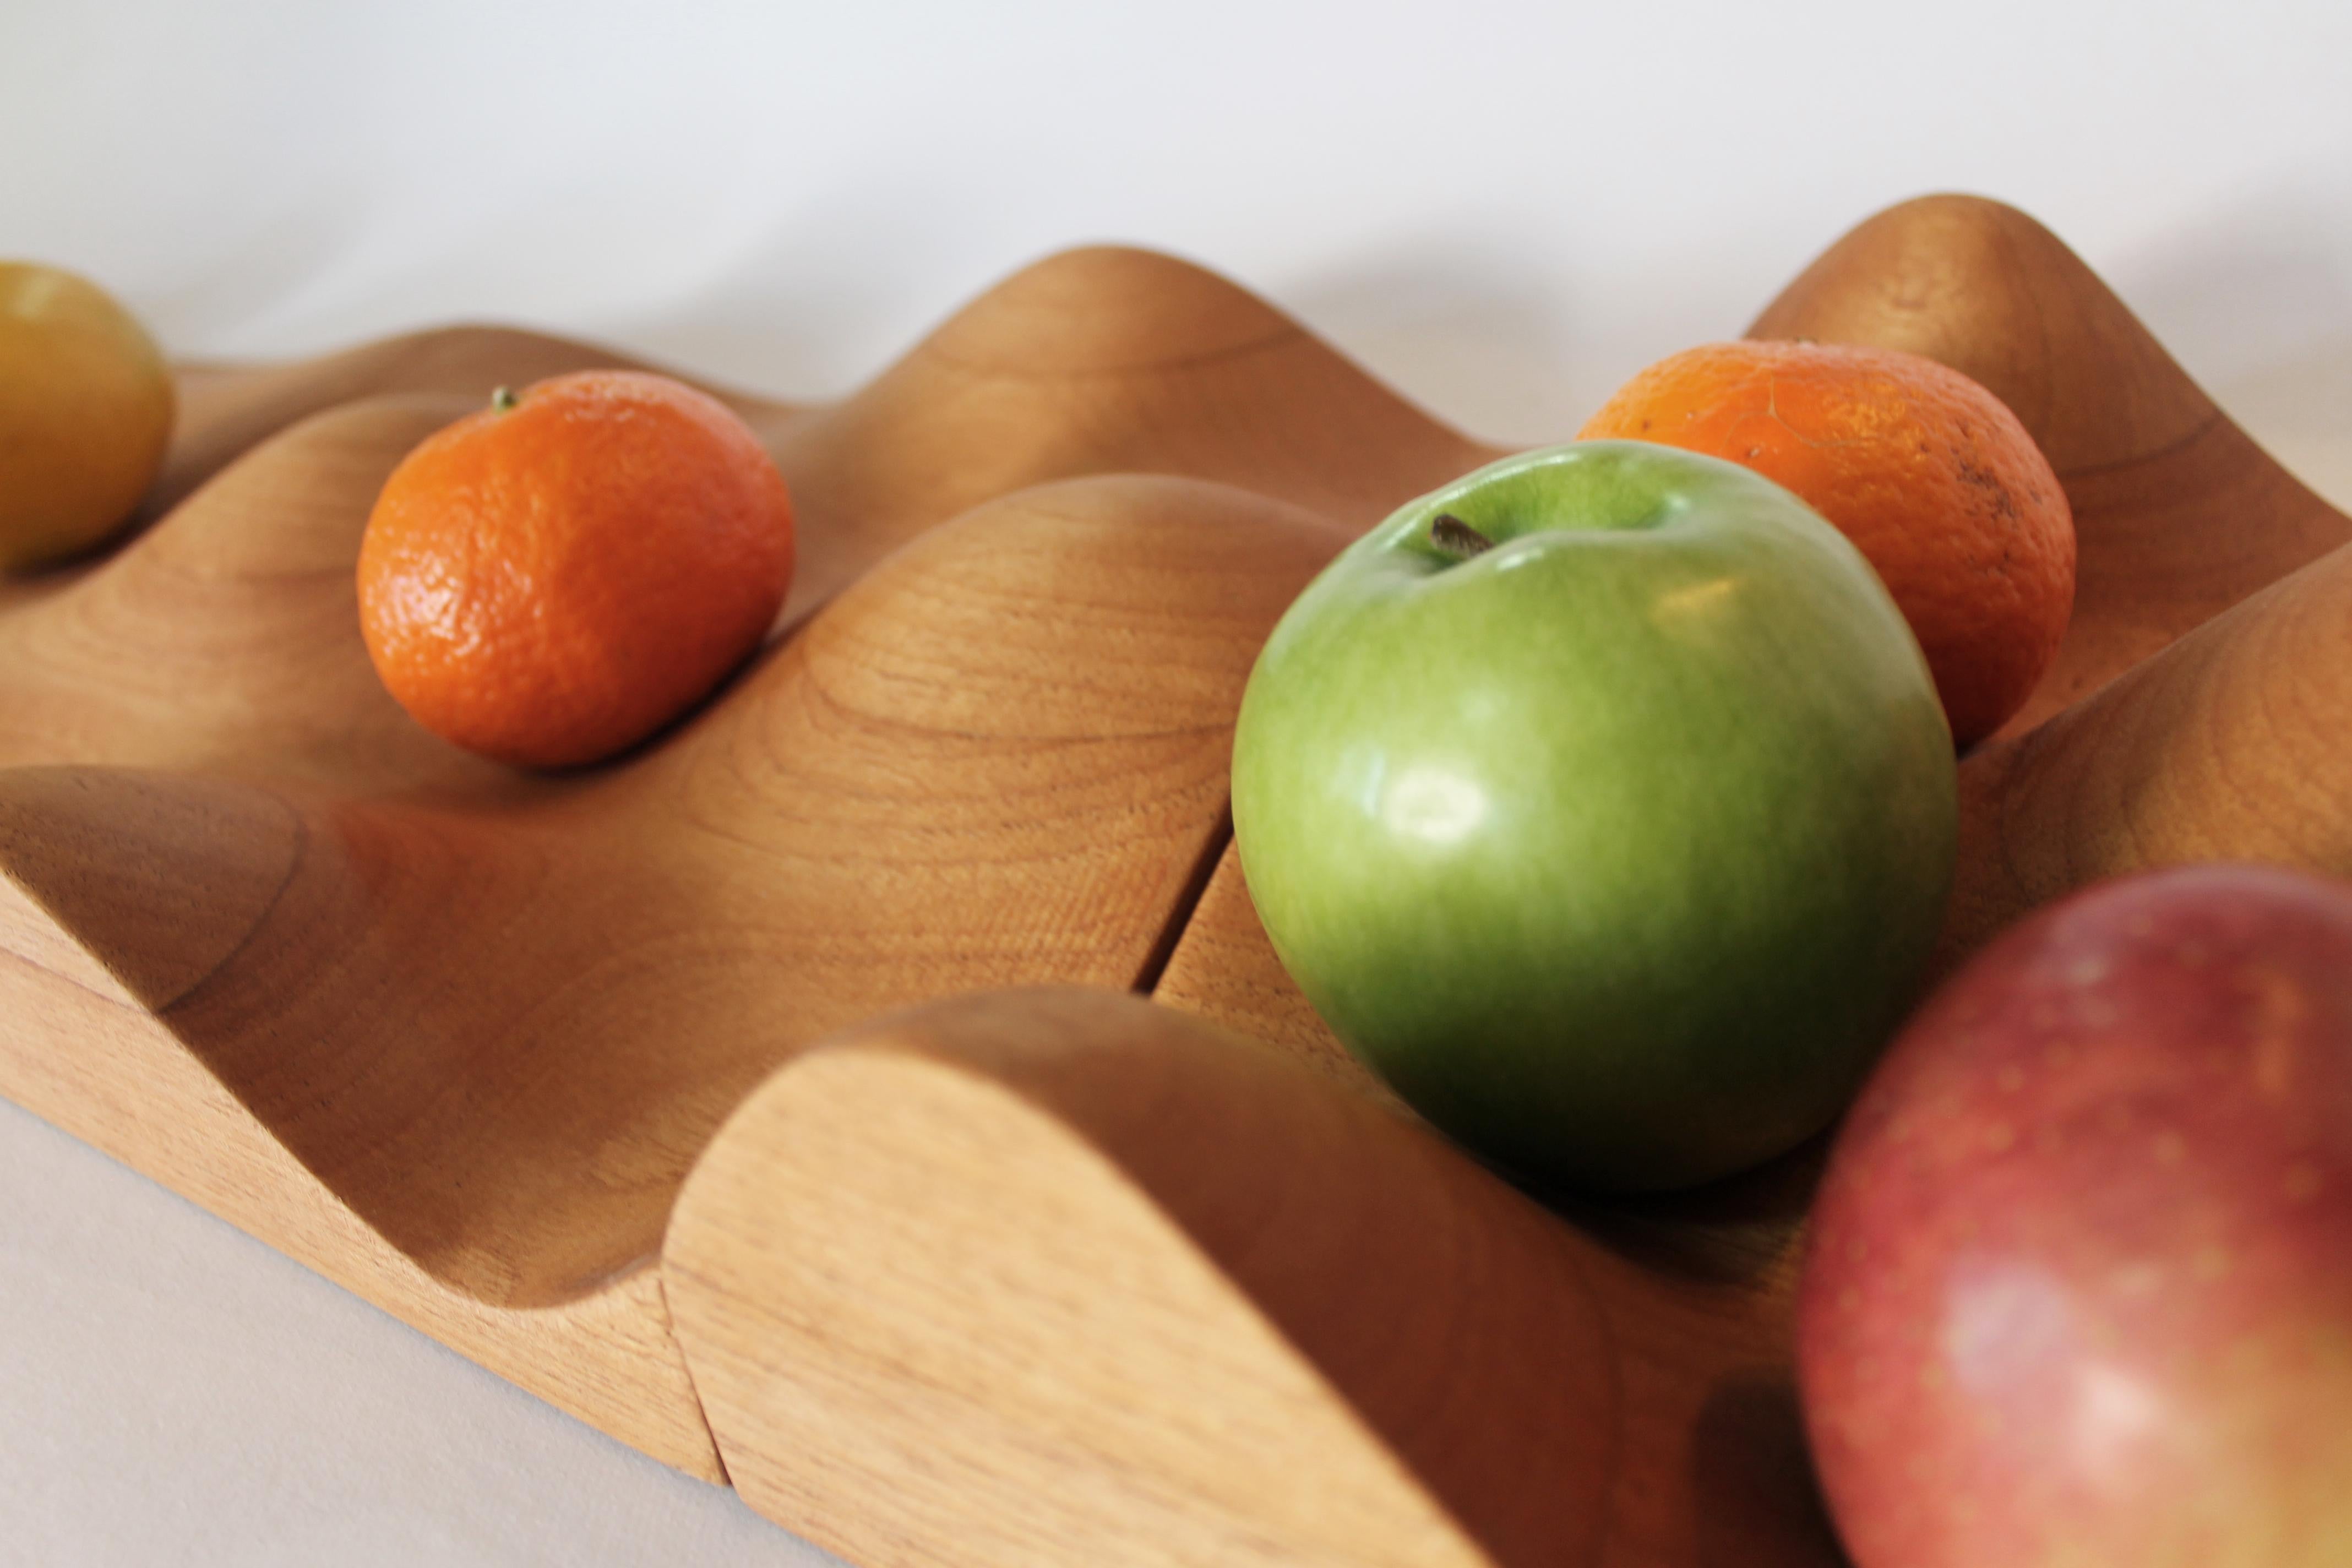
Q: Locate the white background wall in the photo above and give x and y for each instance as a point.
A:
(1503, 208)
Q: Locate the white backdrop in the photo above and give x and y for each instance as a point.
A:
(1502, 209)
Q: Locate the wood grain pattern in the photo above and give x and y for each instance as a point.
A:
(2230, 746)
(2178, 513)
(893, 807)
(225, 640)
(1067, 1278)
(2215, 595)
(83, 1045)
(404, 1071)
(2234, 743)
(2227, 746)
(227, 410)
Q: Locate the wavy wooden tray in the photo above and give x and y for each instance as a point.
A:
(1052, 1276)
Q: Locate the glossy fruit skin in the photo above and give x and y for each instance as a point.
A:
(2079, 1286)
(86, 408)
(1930, 475)
(549, 582)
(1616, 849)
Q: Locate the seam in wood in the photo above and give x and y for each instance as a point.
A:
(1188, 903)
(661, 1267)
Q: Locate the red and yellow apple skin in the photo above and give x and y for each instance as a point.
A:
(2079, 1284)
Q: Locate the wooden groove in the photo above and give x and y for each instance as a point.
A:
(460, 1038)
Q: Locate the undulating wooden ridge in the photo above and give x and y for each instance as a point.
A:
(877, 1091)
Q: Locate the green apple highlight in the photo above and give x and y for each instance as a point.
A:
(1603, 804)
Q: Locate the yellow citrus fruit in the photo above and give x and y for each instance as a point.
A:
(85, 411)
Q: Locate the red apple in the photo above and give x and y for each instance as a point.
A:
(2079, 1286)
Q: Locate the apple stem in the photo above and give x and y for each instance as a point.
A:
(1457, 538)
(503, 398)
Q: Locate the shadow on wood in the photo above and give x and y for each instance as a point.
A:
(1093, 1273)
(1062, 1276)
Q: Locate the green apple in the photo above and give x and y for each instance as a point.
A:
(1602, 803)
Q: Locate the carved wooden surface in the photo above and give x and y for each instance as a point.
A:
(1060, 1277)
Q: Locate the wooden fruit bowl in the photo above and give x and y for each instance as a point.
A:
(693, 1093)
